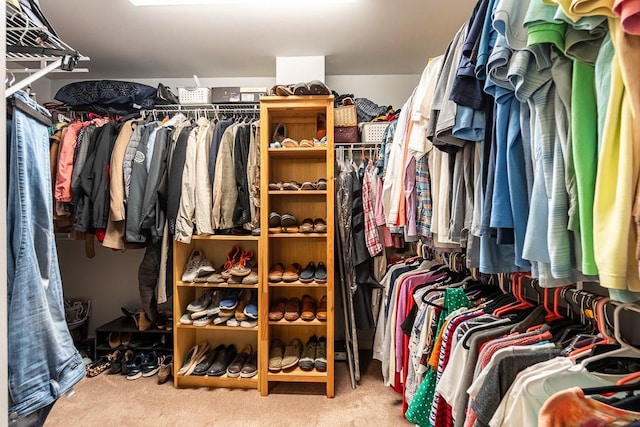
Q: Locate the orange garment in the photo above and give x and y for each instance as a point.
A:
(571, 408)
(435, 354)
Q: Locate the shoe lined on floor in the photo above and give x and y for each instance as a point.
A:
(276, 352)
(126, 360)
(236, 365)
(250, 368)
(321, 355)
(292, 354)
(116, 362)
(308, 358)
(134, 368)
(151, 364)
(99, 366)
(166, 369)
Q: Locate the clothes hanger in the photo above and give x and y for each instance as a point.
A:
(625, 350)
(516, 290)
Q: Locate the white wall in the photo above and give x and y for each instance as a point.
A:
(110, 279)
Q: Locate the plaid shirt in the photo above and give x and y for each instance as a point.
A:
(423, 198)
(374, 245)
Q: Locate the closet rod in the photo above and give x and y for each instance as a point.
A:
(32, 78)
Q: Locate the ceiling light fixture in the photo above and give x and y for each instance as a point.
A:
(228, 2)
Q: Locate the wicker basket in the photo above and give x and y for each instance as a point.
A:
(346, 134)
(345, 116)
(194, 95)
(373, 132)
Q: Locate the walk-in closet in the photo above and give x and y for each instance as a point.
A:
(321, 212)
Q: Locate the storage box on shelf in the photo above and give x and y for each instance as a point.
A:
(372, 132)
(153, 339)
(300, 115)
(215, 248)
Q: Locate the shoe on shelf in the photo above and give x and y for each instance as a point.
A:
(229, 299)
(292, 354)
(292, 309)
(317, 87)
(308, 358)
(276, 353)
(279, 132)
(243, 266)
(114, 339)
(308, 311)
(319, 225)
(274, 220)
(166, 369)
(233, 256)
(320, 275)
(223, 319)
(125, 338)
(308, 185)
(191, 269)
(205, 268)
(321, 313)
(203, 321)
(321, 355)
(251, 278)
(194, 356)
(276, 313)
(306, 226)
(275, 273)
(291, 273)
(222, 361)
(212, 309)
(202, 302)
(301, 89)
(233, 322)
(243, 300)
(308, 273)
(321, 184)
(251, 310)
(186, 319)
(214, 278)
(151, 364)
(288, 220)
(202, 367)
(250, 368)
(249, 323)
(238, 362)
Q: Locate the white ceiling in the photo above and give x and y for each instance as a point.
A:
(364, 37)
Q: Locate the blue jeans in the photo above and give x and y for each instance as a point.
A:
(43, 362)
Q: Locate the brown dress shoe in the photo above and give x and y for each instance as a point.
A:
(308, 308)
(292, 309)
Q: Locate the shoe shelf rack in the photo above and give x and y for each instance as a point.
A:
(214, 248)
(152, 339)
(300, 115)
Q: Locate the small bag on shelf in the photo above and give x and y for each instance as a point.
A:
(348, 134)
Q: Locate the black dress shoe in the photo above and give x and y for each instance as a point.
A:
(224, 358)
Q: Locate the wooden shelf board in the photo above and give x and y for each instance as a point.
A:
(297, 284)
(225, 237)
(305, 152)
(298, 235)
(297, 192)
(215, 285)
(298, 375)
(218, 328)
(299, 322)
(223, 381)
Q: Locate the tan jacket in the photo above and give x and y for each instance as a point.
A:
(225, 192)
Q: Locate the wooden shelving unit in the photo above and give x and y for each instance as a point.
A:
(300, 115)
(215, 248)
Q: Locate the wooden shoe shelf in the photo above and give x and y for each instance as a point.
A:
(214, 248)
(300, 116)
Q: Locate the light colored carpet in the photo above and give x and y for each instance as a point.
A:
(112, 400)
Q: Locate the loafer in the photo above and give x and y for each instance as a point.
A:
(321, 184)
(202, 367)
(319, 225)
(308, 311)
(222, 360)
(276, 312)
(275, 273)
(292, 309)
(292, 354)
(166, 369)
(250, 368)
(276, 352)
(274, 220)
(320, 275)
(292, 273)
(288, 220)
(307, 275)
(291, 186)
(236, 365)
(321, 313)
(308, 358)
(306, 226)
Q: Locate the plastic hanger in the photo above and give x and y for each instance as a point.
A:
(625, 350)
(522, 302)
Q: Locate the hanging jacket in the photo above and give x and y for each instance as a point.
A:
(100, 188)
